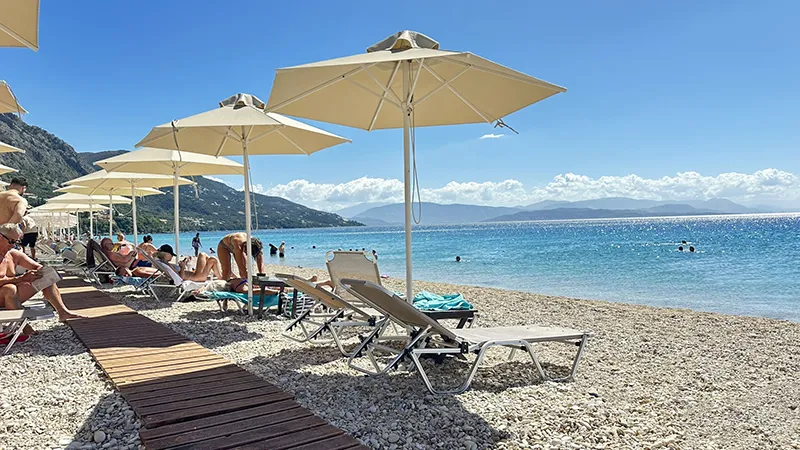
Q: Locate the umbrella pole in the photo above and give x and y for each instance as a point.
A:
(91, 223)
(247, 225)
(110, 217)
(135, 230)
(407, 175)
(175, 218)
(77, 226)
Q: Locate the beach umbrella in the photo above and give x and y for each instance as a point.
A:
(6, 169)
(54, 219)
(19, 23)
(76, 207)
(89, 199)
(405, 81)
(171, 162)
(240, 126)
(5, 148)
(101, 191)
(125, 183)
(8, 101)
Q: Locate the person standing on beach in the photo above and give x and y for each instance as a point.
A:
(12, 204)
(31, 235)
(196, 244)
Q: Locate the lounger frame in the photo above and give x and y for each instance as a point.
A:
(427, 337)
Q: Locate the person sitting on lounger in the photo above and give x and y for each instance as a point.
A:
(234, 246)
(124, 257)
(205, 264)
(16, 289)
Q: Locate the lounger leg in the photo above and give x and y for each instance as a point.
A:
(467, 382)
(16, 335)
(575, 362)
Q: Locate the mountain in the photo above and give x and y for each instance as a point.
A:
(714, 205)
(434, 213)
(90, 158)
(589, 213)
(352, 211)
(49, 161)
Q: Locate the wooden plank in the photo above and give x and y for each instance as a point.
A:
(312, 438)
(111, 353)
(234, 382)
(341, 442)
(199, 393)
(164, 364)
(180, 380)
(219, 419)
(155, 375)
(261, 433)
(131, 360)
(226, 429)
(194, 402)
(157, 420)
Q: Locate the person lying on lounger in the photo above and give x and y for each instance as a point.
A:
(124, 257)
(205, 264)
(234, 247)
(17, 289)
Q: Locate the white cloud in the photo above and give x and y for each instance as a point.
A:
(491, 136)
(770, 186)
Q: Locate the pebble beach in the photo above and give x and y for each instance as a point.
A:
(651, 378)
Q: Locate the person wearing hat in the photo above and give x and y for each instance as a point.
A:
(205, 264)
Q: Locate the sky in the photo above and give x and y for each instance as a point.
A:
(665, 100)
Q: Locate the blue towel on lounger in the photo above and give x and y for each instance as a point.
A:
(136, 282)
(269, 300)
(428, 301)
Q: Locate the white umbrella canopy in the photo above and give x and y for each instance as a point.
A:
(8, 101)
(6, 169)
(405, 81)
(89, 199)
(125, 183)
(102, 194)
(19, 23)
(171, 162)
(76, 207)
(240, 126)
(6, 148)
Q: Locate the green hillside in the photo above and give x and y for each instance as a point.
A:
(210, 206)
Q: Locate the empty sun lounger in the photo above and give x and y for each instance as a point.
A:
(428, 337)
(13, 322)
(356, 265)
(329, 313)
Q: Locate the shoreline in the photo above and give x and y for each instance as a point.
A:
(322, 273)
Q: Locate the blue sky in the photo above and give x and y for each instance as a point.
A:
(655, 88)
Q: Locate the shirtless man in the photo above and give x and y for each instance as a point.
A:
(15, 290)
(12, 205)
(234, 246)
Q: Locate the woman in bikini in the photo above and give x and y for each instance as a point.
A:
(205, 266)
(234, 247)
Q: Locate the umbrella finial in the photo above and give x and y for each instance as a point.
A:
(404, 40)
(241, 100)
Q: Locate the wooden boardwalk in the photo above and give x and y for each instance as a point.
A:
(186, 396)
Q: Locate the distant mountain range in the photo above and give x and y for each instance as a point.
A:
(49, 161)
(612, 207)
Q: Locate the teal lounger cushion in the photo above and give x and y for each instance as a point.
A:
(428, 301)
(269, 300)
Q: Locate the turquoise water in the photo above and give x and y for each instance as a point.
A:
(748, 265)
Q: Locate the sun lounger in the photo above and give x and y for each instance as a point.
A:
(428, 337)
(183, 287)
(356, 265)
(103, 267)
(329, 313)
(13, 322)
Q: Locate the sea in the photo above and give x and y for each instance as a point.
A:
(742, 264)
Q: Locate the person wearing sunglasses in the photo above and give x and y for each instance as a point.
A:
(16, 289)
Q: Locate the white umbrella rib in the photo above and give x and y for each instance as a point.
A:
(317, 88)
(530, 80)
(291, 141)
(383, 97)
(440, 87)
(458, 94)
